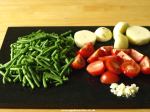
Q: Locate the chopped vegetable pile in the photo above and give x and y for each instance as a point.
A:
(39, 58)
(121, 90)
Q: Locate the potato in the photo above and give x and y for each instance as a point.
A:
(120, 27)
(103, 34)
(84, 36)
(138, 35)
(121, 41)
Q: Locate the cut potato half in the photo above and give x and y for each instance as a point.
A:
(138, 35)
(121, 41)
(103, 34)
(84, 36)
(120, 27)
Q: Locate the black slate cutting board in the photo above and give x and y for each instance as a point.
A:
(81, 91)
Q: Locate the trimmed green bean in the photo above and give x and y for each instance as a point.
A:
(44, 81)
(20, 75)
(66, 66)
(39, 58)
(37, 49)
(66, 33)
(11, 52)
(29, 81)
(24, 81)
(34, 77)
(49, 49)
(44, 58)
(16, 78)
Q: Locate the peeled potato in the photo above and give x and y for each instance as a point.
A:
(138, 35)
(84, 36)
(120, 27)
(103, 34)
(121, 41)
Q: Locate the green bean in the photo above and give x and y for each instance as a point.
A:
(54, 53)
(67, 60)
(56, 67)
(39, 57)
(66, 33)
(2, 73)
(25, 71)
(29, 81)
(56, 57)
(14, 69)
(7, 72)
(44, 58)
(53, 36)
(20, 59)
(4, 77)
(44, 81)
(45, 43)
(34, 53)
(21, 52)
(33, 39)
(54, 77)
(4, 80)
(10, 62)
(11, 52)
(46, 63)
(66, 66)
(24, 81)
(36, 48)
(64, 51)
(16, 78)
(20, 75)
(34, 77)
(42, 64)
(38, 42)
(49, 49)
(33, 43)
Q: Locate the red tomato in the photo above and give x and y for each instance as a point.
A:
(78, 62)
(107, 50)
(87, 50)
(116, 51)
(130, 68)
(113, 64)
(96, 68)
(104, 58)
(145, 65)
(95, 55)
(109, 77)
(137, 56)
(124, 56)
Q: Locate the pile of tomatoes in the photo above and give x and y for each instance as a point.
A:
(109, 63)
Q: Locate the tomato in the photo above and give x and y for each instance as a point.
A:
(102, 51)
(124, 56)
(96, 68)
(137, 56)
(130, 68)
(145, 65)
(104, 58)
(109, 77)
(107, 50)
(116, 51)
(78, 62)
(113, 64)
(95, 55)
(87, 50)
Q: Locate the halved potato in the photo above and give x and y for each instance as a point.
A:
(84, 36)
(138, 35)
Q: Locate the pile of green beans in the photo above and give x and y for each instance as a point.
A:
(39, 58)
